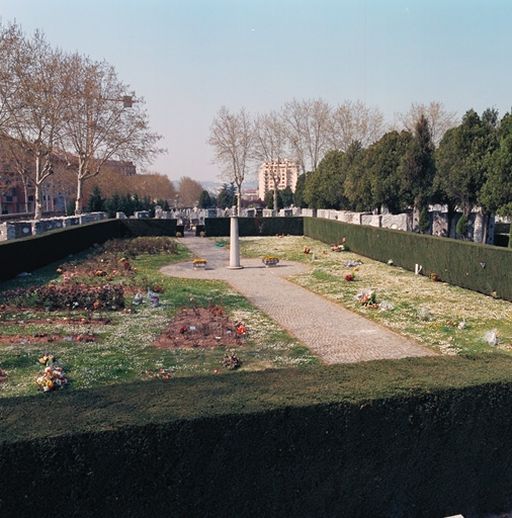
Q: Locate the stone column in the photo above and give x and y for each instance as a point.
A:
(234, 245)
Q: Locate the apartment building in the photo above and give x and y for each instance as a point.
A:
(286, 172)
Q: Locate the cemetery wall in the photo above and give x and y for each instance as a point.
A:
(255, 226)
(27, 254)
(478, 267)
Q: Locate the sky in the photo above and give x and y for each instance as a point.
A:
(187, 58)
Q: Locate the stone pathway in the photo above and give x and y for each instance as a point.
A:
(331, 332)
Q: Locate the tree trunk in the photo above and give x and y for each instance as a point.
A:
(450, 214)
(25, 193)
(239, 200)
(485, 223)
(78, 200)
(275, 212)
(38, 206)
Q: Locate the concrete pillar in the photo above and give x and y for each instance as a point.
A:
(234, 245)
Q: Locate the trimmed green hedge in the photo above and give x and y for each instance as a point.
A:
(483, 268)
(27, 254)
(415, 437)
(216, 227)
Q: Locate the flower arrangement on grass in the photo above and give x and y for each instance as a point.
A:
(53, 377)
(368, 298)
(270, 260)
(340, 246)
(349, 277)
(199, 262)
(240, 329)
(231, 361)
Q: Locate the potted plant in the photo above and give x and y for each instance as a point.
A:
(199, 262)
(270, 260)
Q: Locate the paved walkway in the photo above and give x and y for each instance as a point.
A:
(333, 333)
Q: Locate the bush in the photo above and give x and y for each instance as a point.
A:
(141, 245)
(416, 437)
(470, 265)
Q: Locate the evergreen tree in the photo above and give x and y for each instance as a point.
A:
(205, 200)
(382, 166)
(227, 196)
(269, 200)
(417, 168)
(324, 186)
(286, 196)
(96, 202)
(357, 185)
(298, 195)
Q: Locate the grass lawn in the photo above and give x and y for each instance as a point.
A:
(123, 350)
(447, 318)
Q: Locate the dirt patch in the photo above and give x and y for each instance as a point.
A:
(202, 328)
(45, 338)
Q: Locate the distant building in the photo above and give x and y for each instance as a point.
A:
(57, 191)
(286, 171)
(250, 195)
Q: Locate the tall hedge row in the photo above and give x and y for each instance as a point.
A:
(482, 268)
(27, 254)
(215, 227)
(429, 453)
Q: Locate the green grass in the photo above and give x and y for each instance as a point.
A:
(411, 296)
(140, 403)
(124, 352)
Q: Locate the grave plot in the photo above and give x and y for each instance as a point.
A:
(202, 327)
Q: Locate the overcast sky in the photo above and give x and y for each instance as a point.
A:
(190, 57)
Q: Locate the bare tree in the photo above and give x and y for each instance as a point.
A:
(12, 41)
(307, 126)
(439, 119)
(36, 116)
(101, 122)
(355, 122)
(189, 191)
(19, 162)
(231, 135)
(270, 138)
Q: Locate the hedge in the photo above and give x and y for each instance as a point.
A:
(417, 437)
(215, 227)
(483, 268)
(27, 254)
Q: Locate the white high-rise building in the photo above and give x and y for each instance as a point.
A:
(286, 172)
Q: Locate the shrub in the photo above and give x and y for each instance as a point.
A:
(141, 245)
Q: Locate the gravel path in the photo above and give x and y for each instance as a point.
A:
(333, 333)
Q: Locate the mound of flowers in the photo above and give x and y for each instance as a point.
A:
(53, 377)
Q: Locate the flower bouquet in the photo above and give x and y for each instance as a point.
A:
(368, 298)
(270, 260)
(53, 376)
